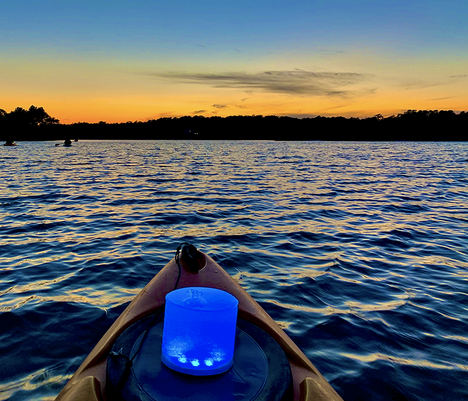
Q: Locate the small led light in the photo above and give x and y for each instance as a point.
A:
(199, 331)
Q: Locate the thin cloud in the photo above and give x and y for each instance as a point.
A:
(459, 76)
(443, 98)
(420, 84)
(295, 82)
(220, 106)
(298, 115)
(330, 53)
(198, 111)
(336, 107)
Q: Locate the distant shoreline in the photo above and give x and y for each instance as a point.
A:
(59, 142)
(412, 125)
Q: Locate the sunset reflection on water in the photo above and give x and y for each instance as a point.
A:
(358, 250)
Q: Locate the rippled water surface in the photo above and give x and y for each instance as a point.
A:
(358, 250)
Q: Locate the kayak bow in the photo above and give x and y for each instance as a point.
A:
(103, 377)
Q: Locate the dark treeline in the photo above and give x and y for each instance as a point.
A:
(422, 125)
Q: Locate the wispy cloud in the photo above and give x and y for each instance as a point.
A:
(330, 53)
(294, 82)
(336, 107)
(416, 84)
(411, 84)
(198, 111)
(220, 106)
(443, 98)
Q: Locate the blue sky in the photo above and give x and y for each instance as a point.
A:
(173, 53)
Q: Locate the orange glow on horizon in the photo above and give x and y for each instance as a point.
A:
(93, 92)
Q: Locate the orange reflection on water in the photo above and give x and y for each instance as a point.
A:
(38, 285)
(403, 361)
(457, 338)
(383, 306)
(354, 307)
(88, 296)
(33, 381)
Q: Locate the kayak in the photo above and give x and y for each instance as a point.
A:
(126, 363)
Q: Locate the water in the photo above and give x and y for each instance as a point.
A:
(358, 250)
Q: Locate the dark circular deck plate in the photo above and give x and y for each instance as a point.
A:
(260, 370)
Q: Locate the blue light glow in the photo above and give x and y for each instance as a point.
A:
(199, 330)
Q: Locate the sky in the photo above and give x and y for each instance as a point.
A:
(136, 60)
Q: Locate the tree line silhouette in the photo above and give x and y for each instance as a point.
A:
(21, 118)
(412, 125)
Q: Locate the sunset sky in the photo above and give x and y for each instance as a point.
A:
(134, 60)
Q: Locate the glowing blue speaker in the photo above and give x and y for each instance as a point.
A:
(199, 331)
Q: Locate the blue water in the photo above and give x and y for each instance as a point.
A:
(358, 250)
